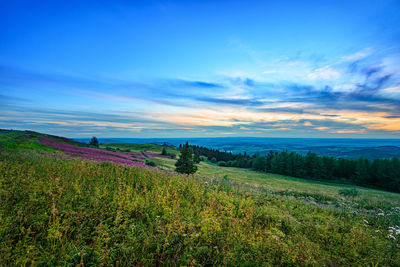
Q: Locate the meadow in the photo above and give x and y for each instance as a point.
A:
(63, 209)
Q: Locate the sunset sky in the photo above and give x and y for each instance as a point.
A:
(201, 68)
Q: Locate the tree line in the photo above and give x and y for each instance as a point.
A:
(224, 158)
(379, 173)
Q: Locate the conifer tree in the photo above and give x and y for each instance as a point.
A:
(94, 141)
(185, 163)
(196, 157)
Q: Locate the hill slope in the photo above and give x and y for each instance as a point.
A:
(57, 210)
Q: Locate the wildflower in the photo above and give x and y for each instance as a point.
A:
(390, 236)
(93, 154)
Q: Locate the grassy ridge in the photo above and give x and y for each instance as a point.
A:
(139, 147)
(59, 212)
(22, 140)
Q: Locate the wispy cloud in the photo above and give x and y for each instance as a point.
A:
(354, 95)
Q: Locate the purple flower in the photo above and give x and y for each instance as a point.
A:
(92, 153)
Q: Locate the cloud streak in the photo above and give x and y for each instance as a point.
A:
(366, 101)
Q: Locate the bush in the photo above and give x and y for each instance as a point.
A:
(222, 163)
(349, 192)
(150, 163)
(232, 163)
(213, 160)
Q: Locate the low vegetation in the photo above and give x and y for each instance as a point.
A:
(64, 210)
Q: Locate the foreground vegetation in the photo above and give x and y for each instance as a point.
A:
(59, 211)
(56, 210)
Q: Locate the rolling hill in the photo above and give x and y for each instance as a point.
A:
(66, 203)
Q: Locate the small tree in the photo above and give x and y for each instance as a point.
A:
(164, 151)
(185, 163)
(94, 142)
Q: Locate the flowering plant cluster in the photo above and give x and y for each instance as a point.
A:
(149, 154)
(138, 155)
(92, 153)
(393, 232)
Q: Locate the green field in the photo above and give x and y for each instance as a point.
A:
(139, 147)
(56, 210)
(276, 182)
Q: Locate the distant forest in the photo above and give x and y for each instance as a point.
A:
(379, 173)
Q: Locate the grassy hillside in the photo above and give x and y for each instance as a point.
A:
(139, 147)
(57, 210)
(289, 185)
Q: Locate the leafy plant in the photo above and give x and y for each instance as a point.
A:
(349, 192)
(150, 163)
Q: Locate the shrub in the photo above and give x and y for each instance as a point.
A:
(150, 163)
(222, 163)
(349, 192)
(213, 160)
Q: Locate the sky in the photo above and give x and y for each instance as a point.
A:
(201, 68)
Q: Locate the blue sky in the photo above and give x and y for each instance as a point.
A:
(205, 68)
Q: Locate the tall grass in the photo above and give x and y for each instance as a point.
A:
(57, 211)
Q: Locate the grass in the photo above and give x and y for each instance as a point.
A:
(282, 183)
(66, 212)
(21, 140)
(60, 211)
(327, 192)
(139, 147)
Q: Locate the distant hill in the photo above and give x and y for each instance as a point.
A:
(344, 148)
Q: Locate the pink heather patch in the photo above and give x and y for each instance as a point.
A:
(138, 155)
(149, 154)
(92, 153)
